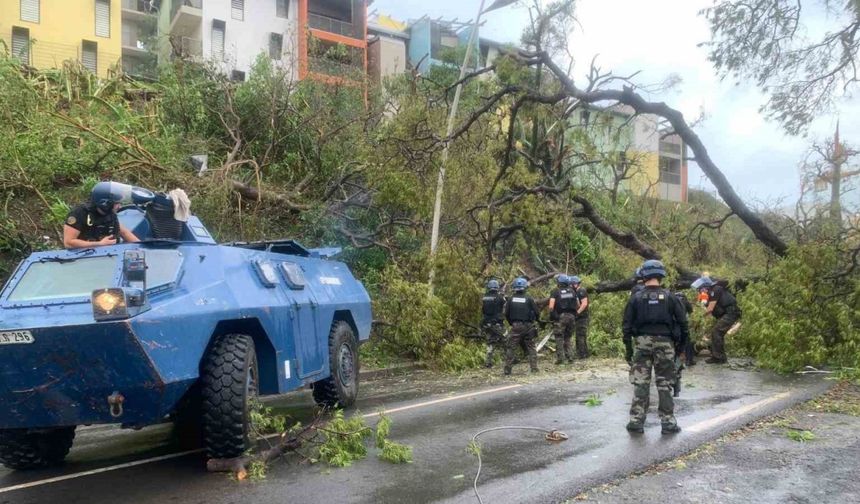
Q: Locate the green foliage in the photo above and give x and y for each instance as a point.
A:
(793, 319)
(396, 453)
(383, 428)
(459, 355)
(257, 470)
(800, 436)
(604, 331)
(344, 440)
(265, 421)
(474, 448)
(593, 400)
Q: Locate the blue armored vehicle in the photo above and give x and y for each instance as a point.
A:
(175, 326)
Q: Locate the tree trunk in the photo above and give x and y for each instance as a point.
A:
(626, 96)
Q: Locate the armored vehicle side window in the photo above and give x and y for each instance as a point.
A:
(266, 272)
(53, 280)
(293, 274)
(162, 267)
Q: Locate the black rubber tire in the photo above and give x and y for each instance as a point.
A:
(228, 381)
(341, 388)
(23, 449)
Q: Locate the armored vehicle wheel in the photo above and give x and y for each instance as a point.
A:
(341, 388)
(34, 449)
(229, 380)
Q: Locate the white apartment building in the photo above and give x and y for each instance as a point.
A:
(232, 33)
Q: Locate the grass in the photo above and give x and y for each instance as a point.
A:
(801, 436)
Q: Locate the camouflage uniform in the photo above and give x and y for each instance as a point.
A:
(657, 352)
(658, 322)
(562, 329)
(522, 334)
(495, 333)
(582, 320)
(563, 316)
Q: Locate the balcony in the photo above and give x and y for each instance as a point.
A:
(186, 17)
(137, 10)
(336, 26)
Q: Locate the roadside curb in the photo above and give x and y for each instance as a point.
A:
(373, 374)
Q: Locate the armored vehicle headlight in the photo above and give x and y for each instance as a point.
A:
(109, 304)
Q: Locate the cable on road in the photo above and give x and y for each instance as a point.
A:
(549, 435)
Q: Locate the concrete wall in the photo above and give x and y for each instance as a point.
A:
(63, 26)
(245, 40)
(386, 56)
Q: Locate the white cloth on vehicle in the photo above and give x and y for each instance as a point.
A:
(181, 205)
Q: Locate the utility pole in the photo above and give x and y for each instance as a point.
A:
(452, 115)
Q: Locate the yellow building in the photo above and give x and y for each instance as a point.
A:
(45, 33)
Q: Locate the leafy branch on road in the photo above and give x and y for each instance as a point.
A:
(338, 441)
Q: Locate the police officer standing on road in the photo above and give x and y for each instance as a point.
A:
(521, 313)
(581, 318)
(96, 223)
(492, 323)
(651, 317)
(562, 312)
(724, 307)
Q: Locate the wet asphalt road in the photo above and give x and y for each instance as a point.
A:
(519, 466)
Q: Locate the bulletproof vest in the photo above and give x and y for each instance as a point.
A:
(654, 312)
(567, 301)
(725, 304)
(97, 226)
(492, 306)
(519, 310)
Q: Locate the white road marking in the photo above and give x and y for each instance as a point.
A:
(126, 465)
(725, 417)
(439, 401)
(57, 479)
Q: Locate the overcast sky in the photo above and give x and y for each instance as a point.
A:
(659, 38)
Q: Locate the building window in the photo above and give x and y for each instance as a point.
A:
(89, 56)
(276, 45)
(103, 18)
(238, 9)
(237, 76)
(670, 171)
(21, 44)
(30, 10)
(218, 28)
(282, 8)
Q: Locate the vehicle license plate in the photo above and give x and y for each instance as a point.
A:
(16, 338)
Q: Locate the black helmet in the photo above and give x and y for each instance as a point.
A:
(104, 198)
(652, 268)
